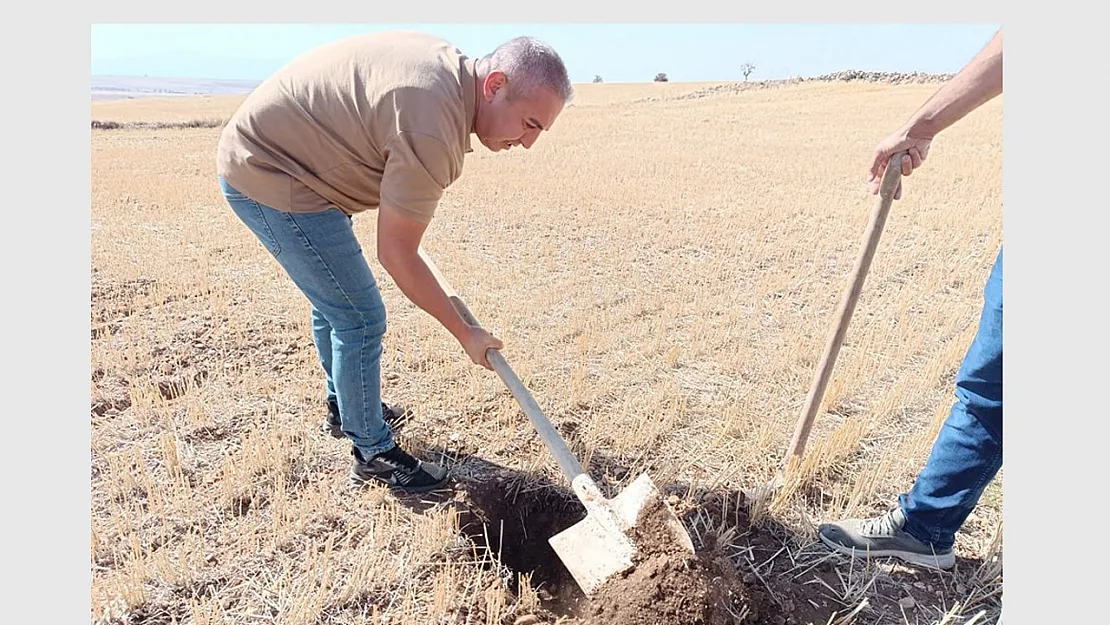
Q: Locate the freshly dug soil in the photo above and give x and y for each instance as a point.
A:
(669, 586)
(666, 585)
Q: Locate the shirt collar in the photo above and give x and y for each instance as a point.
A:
(467, 82)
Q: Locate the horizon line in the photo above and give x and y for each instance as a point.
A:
(917, 73)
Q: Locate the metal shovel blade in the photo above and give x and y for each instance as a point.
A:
(599, 546)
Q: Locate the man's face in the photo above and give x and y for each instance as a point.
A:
(503, 123)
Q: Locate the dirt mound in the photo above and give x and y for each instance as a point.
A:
(669, 585)
(666, 585)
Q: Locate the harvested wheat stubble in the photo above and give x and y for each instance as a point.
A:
(668, 585)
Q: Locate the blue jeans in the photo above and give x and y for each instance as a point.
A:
(320, 253)
(967, 453)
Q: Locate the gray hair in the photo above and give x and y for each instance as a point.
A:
(531, 64)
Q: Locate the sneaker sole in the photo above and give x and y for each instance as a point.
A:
(359, 482)
(943, 562)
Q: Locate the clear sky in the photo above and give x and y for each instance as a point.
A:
(616, 52)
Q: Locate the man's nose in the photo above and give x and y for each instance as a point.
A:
(529, 138)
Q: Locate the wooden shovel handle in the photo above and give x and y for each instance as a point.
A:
(835, 337)
(567, 462)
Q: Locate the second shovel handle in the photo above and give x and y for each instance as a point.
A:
(891, 177)
(555, 443)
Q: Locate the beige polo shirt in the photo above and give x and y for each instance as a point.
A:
(382, 119)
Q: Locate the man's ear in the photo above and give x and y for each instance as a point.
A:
(495, 81)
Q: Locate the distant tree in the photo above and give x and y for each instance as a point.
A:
(746, 69)
(597, 78)
(660, 77)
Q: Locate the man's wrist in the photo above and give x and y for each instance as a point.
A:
(921, 127)
(458, 327)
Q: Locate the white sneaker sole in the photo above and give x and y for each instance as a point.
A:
(941, 561)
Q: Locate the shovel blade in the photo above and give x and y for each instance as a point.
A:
(599, 546)
(594, 549)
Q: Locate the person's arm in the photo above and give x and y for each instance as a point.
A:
(398, 242)
(398, 252)
(977, 83)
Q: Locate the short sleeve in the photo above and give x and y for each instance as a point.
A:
(418, 168)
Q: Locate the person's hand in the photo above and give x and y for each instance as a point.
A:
(917, 149)
(476, 341)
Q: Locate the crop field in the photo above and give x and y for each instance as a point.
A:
(663, 267)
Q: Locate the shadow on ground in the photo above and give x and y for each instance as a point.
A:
(790, 578)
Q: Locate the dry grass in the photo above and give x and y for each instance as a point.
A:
(663, 274)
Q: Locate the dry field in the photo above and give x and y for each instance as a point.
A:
(663, 270)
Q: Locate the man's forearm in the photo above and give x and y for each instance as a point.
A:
(416, 281)
(973, 86)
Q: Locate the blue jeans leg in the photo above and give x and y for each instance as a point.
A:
(321, 337)
(968, 451)
(322, 255)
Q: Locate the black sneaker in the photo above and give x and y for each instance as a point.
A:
(333, 426)
(398, 470)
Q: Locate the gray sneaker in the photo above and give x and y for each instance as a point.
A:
(883, 536)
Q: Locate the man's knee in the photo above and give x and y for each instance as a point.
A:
(367, 324)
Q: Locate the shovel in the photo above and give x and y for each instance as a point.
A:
(599, 546)
(835, 337)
